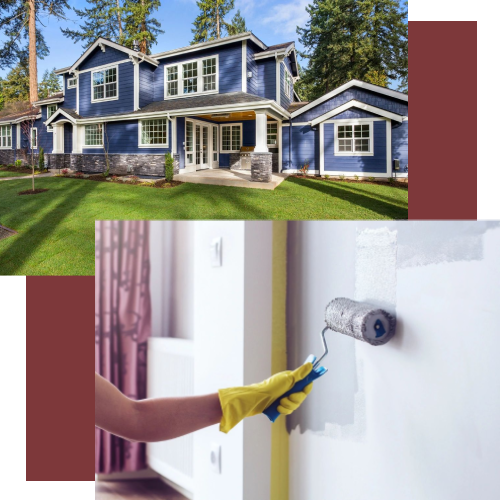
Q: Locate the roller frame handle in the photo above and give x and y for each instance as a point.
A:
(272, 412)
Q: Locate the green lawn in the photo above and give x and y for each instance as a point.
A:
(56, 228)
(7, 173)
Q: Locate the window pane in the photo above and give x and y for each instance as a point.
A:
(214, 139)
(172, 73)
(226, 138)
(236, 142)
(154, 132)
(209, 66)
(99, 92)
(93, 135)
(362, 145)
(98, 78)
(345, 145)
(111, 90)
(208, 83)
(189, 138)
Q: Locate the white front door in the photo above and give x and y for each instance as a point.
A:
(198, 153)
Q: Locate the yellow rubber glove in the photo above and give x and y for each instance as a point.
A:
(238, 403)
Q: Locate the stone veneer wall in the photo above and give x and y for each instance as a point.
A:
(276, 159)
(234, 161)
(9, 156)
(146, 164)
(262, 167)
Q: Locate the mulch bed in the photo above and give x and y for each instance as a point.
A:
(26, 171)
(160, 183)
(31, 191)
(397, 184)
(5, 232)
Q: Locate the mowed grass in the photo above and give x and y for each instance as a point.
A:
(7, 173)
(56, 228)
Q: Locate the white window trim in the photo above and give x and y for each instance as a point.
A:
(75, 78)
(290, 89)
(222, 125)
(140, 145)
(31, 138)
(277, 135)
(353, 153)
(103, 68)
(49, 127)
(85, 145)
(9, 127)
(180, 85)
(215, 151)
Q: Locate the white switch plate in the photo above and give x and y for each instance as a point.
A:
(216, 252)
(215, 457)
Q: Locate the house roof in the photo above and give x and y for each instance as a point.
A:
(57, 97)
(17, 117)
(278, 47)
(69, 113)
(353, 83)
(100, 42)
(294, 106)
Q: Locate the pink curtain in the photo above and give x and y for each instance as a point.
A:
(122, 327)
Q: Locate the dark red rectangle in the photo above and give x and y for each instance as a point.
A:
(59, 378)
(443, 76)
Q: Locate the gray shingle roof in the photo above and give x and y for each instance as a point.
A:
(20, 114)
(294, 106)
(71, 112)
(57, 95)
(279, 46)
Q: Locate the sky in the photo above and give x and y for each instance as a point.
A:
(273, 21)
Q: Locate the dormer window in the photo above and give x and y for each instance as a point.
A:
(71, 83)
(105, 84)
(199, 76)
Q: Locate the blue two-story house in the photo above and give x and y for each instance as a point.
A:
(227, 103)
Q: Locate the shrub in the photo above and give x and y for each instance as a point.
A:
(371, 179)
(41, 161)
(390, 180)
(19, 163)
(79, 175)
(356, 177)
(304, 168)
(327, 177)
(342, 177)
(169, 167)
(64, 171)
(133, 179)
(106, 173)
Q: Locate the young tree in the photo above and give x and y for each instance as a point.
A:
(19, 22)
(50, 84)
(210, 24)
(103, 18)
(27, 130)
(139, 25)
(238, 24)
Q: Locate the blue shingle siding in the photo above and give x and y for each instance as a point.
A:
(68, 137)
(100, 58)
(285, 100)
(366, 96)
(123, 104)
(400, 144)
(352, 113)
(146, 84)
(354, 164)
(252, 83)
(123, 137)
(305, 147)
(70, 95)
(229, 68)
(266, 78)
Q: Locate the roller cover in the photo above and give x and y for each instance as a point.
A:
(360, 320)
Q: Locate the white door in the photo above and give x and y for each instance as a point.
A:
(197, 146)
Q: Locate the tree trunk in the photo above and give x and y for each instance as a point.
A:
(32, 53)
(143, 47)
(119, 15)
(218, 22)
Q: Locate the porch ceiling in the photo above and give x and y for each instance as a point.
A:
(232, 117)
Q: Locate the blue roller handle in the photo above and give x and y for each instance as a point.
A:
(272, 412)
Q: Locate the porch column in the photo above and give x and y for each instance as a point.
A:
(77, 142)
(260, 132)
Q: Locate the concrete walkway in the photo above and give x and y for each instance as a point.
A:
(226, 177)
(37, 176)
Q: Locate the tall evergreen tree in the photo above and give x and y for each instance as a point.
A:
(210, 23)
(103, 18)
(19, 23)
(140, 26)
(49, 85)
(238, 24)
(347, 39)
(16, 86)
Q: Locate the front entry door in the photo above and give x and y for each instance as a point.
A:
(197, 146)
(201, 147)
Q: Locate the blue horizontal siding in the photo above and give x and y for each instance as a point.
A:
(285, 100)
(229, 68)
(123, 137)
(400, 144)
(366, 96)
(146, 84)
(252, 83)
(123, 104)
(70, 95)
(357, 164)
(305, 147)
(99, 58)
(266, 78)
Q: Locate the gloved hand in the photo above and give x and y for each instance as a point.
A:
(240, 402)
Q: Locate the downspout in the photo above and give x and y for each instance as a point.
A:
(290, 142)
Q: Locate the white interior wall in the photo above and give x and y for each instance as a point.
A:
(417, 418)
(172, 278)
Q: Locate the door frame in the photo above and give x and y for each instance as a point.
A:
(194, 167)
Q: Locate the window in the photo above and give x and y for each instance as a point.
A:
(5, 136)
(51, 109)
(105, 84)
(215, 144)
(94, 135)
(231, 137)
(354, 139)
(154, 132)
(272, 134)
(189, 142)
(71, 83)
(192, 77)
(34, 138)
(288, 82)
(172, 81)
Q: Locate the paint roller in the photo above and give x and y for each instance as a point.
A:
(359, 320)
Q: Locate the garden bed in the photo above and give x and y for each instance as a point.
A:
(123, 179)
(398, 183)
(18, 170)
(33, 191)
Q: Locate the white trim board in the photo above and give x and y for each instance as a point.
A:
(243, 66)
(360, 105)
(58, 112)
(353, 83)
(48, 101)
